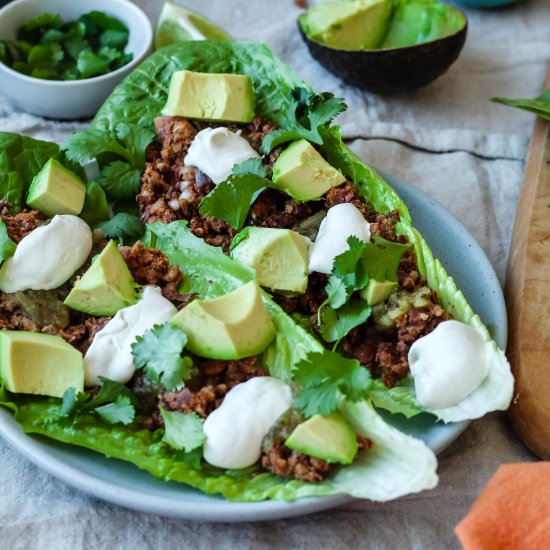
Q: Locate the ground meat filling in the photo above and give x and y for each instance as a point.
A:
(21, 224)
(282, 461)
(206, 391)
(150, 266)
(172, 191)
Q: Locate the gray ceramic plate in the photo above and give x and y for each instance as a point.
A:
(124, 484)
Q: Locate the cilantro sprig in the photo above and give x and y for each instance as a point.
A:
(159, 353)
(325, 378)
(183, 430)
(124, 147)
(352, 270)
(307, 113)
(123, 227)
(114, 402)
(231, 200)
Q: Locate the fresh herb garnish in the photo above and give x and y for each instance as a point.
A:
(540, 106)
(114, 402)
(158, 352)
(352, 270)
(183, 430)
(231, 200)
(48, 48)
(123, 227)
(7, 246)
(306, 114)
(334, 324)
(119, 178)
(325, 377)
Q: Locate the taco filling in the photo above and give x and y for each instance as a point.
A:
(173, 189)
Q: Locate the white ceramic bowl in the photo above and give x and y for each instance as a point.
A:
(70, 99)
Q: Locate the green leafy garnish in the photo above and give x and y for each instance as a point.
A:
(325, 378)
(7, 246)
(349, 267)
(306, 114)
(337, 323)
(540, 106)
(48, 48)
(123, 227)
(158, 352)
(231, 200)
(119, 178)
(183, 431)
(114, 402)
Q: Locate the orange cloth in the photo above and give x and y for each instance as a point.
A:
(512, 512)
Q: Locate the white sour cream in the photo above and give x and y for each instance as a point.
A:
(48, 256)
(448, 364)
(110, 354)
(215, 151)
(234, 432)
(342, 221)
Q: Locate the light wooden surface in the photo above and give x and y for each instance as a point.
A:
(528, 298)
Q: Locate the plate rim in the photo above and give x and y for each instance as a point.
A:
(38, 450)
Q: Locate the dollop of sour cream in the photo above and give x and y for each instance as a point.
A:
(215, 151)
(234, 432)
(48, 256)
(448, 364)
(342, 221)
(110, 354)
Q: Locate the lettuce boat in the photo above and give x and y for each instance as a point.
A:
(141, 98)
(397, 464)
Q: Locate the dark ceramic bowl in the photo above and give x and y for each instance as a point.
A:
(390, 70)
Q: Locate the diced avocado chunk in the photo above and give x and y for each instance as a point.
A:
(377, 291)
(40, 364)
(280, 257)
(348, 25)
(326, 437)
(303, 173)
(106, 287)
(216, 97)
(56, 190)
(233, 326)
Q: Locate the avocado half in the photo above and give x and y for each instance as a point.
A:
(389, 70)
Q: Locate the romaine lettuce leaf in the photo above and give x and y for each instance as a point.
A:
(21, 158)
(397, 464)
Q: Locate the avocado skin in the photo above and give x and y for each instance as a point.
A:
(391, 70)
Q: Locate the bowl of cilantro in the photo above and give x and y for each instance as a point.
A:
(63, 63)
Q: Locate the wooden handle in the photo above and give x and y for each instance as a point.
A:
(528, 298)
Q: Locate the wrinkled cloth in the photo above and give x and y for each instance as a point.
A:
(512, 511)
(448, 140)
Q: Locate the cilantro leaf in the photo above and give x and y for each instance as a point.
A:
(110, 391)
(121, 410)
(231, 200)
(114, 402)
(7, 246)
(338, 293)
(123, 227)
(91, 64)
(381, 258)
(348, 266)
(120, 178)
(72, 401)
(337, 323)
(158, 352)
(305, 115)
(250, 166)
(326, 377)
(183, 431)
